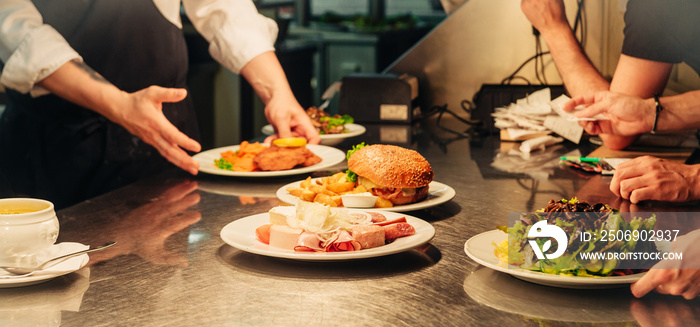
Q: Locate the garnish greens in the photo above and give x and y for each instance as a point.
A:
(350, 175)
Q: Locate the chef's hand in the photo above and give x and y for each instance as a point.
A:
(675, 277)
(629, 115)
(142, 115)
(141, 112)
(651, 178)
(265, 74)
(545, 15)
(289, 119)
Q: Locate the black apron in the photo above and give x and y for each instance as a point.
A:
(53, 149)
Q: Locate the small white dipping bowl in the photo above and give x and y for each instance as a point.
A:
(359, 200)
(27, 227)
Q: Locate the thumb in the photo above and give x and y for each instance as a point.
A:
(163, 94)
(591, 111)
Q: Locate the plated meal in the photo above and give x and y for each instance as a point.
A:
(283, 157)
(580, 260)
(327, 124)
(283, 154)
(313, 227)
(385, 175)
(332, 129)
(312, 231)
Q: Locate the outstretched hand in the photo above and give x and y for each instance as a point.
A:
(142, 115)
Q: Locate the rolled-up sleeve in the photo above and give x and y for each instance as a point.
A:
(29, 49)
(236, 31)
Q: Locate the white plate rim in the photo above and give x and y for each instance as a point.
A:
(36, 279)
(446, 193)
(330, 156)
(476, 247)
(240, 234)
(352, 130)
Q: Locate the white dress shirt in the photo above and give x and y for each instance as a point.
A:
(32, 50)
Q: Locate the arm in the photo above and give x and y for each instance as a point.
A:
(37, 58)
(631, 115)
(282, 110)
(139, 112)
(637, 77)
(243, 41)
(633, 76)
(576, 70)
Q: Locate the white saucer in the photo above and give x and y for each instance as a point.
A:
(7, 280)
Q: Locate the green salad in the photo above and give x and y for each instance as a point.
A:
(590, 250)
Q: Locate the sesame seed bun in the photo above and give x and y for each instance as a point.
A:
(389, 166)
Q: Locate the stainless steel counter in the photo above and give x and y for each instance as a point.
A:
(171, 268)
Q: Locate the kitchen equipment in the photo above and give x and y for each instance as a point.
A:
(386, 98)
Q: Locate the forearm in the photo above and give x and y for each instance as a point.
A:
(76, 82)
(577, 72)
(680, 112)
(266, 76)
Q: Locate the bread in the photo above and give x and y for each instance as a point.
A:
(395, 173)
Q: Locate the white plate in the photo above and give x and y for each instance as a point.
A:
(481, 250)
(330, 156)
(241, 235)
(351, 130)
(438, 193)
(63, 268)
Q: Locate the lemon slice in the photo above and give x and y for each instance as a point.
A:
(290, 142)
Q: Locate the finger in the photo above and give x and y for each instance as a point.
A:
(309, 131)
(629, 185)
(283, 129)
(177, 156)
(645, 284)
(584, 100)
(163, 94)
(642, 194)
(692, 292)
(270, 138)
(591, 111)
(615, 183)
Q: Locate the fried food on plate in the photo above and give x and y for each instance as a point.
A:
(277, 158)
(327, 191)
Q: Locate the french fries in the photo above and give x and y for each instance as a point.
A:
(327, 191)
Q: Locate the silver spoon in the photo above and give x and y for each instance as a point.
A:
(50, 263)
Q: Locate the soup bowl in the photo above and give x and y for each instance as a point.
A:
(27, 227)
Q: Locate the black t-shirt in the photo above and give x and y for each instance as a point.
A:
(663, 30)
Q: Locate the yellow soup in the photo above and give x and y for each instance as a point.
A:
(19, 209)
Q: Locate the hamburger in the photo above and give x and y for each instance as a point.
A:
(391, 172)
